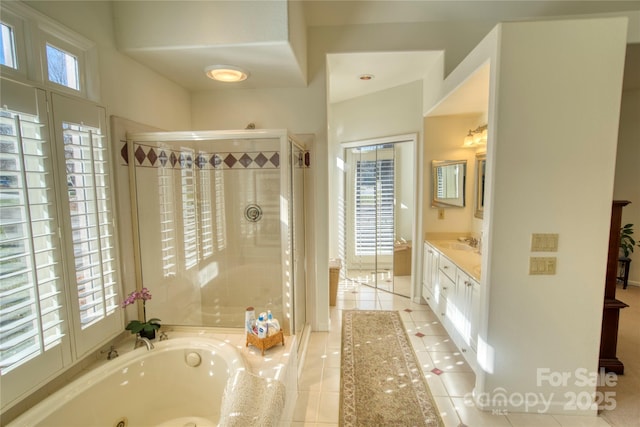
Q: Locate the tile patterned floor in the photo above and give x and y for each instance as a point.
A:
(447, 373)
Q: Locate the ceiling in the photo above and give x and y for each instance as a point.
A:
(277, 64)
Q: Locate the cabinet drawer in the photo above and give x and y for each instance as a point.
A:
(445, 285)
(448, 267)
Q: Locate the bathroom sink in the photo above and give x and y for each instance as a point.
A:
(456, 246)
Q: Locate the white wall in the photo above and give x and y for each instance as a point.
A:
(128, 89)
(443, 138)
(627, 179)
(305, 111)
(556, 122)
(394, 111)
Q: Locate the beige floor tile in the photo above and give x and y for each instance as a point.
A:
(439, 343)
(333, 358)
(331, 380)
(387, 305)
(426, 363)
(416, 342)
(436, 386)
(431, 327)
(312, 378)
(450, 361)
(447, 411)
(423, 316)
(581, 421)
(366, 304)
(532, 420)
(473, 417)
(306, 408)
(433, 349)
(458, 384)
(329, 407)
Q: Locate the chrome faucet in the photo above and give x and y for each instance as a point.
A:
(111, 353)
(142, 341)
(473, 242)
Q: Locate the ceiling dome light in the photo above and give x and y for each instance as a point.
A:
(226, 73)
(366, 77)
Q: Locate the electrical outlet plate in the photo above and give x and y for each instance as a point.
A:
(544, 242)
(542, 265)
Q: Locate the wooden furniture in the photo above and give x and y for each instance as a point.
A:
(265, 343)
(611, 315)
(623, 275)
(402, 259)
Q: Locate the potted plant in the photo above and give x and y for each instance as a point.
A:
(626, 241)
(146, 328)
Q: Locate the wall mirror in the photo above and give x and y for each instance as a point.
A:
(448, 183)
(481, 162)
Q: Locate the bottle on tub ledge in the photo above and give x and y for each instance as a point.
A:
(264, 326)
(273, 326)
(250, 319)
(261, 326)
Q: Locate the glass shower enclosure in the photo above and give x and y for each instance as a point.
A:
(218, 217)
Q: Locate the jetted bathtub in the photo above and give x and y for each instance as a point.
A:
(179, 383)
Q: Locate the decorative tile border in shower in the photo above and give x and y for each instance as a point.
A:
(159, 157)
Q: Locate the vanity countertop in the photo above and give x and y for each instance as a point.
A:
(464, 256)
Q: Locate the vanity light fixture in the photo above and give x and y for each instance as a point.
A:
(226, 73)
(476, 137)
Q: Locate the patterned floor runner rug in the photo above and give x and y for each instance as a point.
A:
(381, 381)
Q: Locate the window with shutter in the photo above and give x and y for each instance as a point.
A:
(92, 235)
(374, 209)
(189, 209)
(88, 223)
(59, 279)
(31, 285)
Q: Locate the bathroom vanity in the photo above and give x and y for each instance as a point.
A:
(451, 287)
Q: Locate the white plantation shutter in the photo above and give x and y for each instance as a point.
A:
(92, 232)
(167, 222)
(189, 209)
(83, 159)
(205, 212)
(30, 270)
(34, 332)
(374, 209)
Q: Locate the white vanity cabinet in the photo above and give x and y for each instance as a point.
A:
(466, 322)
(445, 291)
(454, 296)
(430, 257)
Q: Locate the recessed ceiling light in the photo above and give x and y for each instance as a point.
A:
(226, 73)
(366, 77)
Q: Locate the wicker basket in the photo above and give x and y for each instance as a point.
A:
(334, 278)
(265, 343)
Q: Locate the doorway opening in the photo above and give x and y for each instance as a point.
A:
(379, 213)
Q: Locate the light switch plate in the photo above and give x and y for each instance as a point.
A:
(542, 265)
(544, 242)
